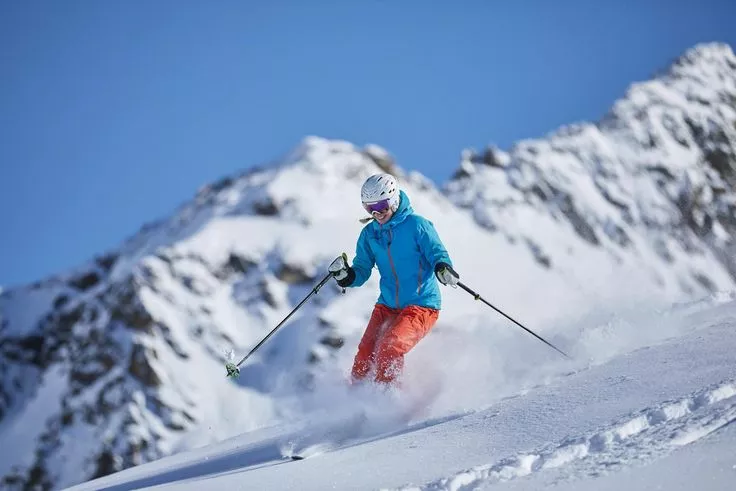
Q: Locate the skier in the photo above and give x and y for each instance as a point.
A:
(409, 255)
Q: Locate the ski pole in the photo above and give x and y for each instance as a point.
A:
(233, 369)
(478, 297)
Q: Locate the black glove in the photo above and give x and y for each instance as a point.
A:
(446, 275)
(344, 274)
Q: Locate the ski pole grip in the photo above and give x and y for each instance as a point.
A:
(345, 258)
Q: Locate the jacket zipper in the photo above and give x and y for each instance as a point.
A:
(391, 260)
(419, 278)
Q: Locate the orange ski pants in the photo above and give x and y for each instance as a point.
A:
(390, 334)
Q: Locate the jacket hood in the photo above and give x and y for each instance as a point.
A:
(403, 211)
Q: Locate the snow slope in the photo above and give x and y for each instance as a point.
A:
(632, 419)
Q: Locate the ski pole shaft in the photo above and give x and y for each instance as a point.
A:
(313, 292)
(478, 297)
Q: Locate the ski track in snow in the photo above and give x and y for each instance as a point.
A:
(641, 437)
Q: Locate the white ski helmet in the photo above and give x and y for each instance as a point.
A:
(379, 188)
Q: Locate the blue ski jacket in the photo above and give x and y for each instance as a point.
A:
(405, 249)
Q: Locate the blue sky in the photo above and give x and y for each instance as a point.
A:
(114, 113)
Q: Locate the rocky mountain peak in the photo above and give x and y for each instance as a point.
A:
(714, 59)
(657, 173)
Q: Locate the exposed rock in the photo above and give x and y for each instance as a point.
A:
(235, 264)
(107, 261)
(266, 207)
(140, 366)
(60, 301)
(292, 274)
(107, 463)
(85, 281)
(382, 159)
(126, 307)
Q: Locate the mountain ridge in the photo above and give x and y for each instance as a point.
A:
(664, 157)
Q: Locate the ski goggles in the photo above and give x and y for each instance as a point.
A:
(377, 207)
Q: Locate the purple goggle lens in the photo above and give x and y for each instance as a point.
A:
(377, 207)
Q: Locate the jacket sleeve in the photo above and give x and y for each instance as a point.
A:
(430, 244)
(364, 259)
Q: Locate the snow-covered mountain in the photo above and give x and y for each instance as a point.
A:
(651, 186)
(121, 361)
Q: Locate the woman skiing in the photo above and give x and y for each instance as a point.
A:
(409, 255)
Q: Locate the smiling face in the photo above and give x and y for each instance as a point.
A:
(380, 210)
(383, 216)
